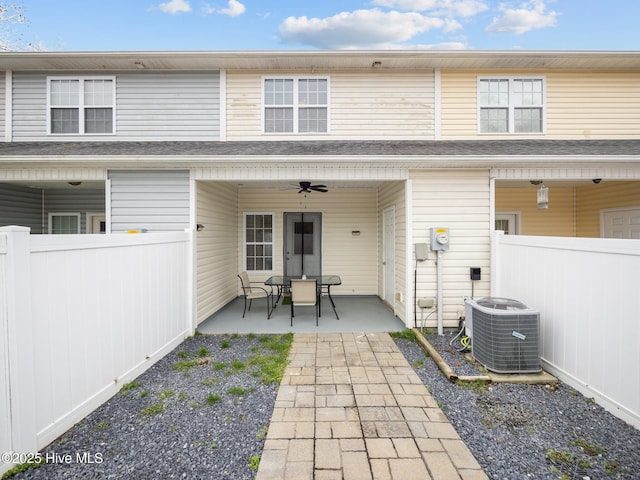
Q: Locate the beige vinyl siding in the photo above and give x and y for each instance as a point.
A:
(578, 104)
(217, 247)
(354, 258)
(460, 201)
(592, 199)
(362, 106)
(393, 194)
(557, 220)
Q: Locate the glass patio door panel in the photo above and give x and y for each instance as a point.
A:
(302, 243)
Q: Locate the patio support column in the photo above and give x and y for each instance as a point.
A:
(16, 338)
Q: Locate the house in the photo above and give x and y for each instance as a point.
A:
(409, 144)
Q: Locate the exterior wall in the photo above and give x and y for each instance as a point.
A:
(460, 201)
(579, 104)
(21, 206)
(355, 259)
(3, 112)
(395, 105)
(393, 194)
(217, 247)
(557, 220)
(149, 200)
(78, 201)
(148, 107)
(592, 199)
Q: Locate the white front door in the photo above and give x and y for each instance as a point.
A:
(388, 254)
(620, 223)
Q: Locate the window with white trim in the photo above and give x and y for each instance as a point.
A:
(64, 223)
(258, 242)
(512, 105)
(296, 105)
(81, 105)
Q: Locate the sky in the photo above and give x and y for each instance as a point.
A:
(174, 25)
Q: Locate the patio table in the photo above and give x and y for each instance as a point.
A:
(283, 282)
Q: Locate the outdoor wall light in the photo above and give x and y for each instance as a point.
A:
(376, 64)
(199, 227)
(355, 233)
(543, 197)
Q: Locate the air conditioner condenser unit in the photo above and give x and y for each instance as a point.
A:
(504, 334)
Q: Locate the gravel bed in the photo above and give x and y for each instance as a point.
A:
(175, 422)
(185, 423)
(528, 431)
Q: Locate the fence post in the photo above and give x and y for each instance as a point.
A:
(19, 329)
(496, 239)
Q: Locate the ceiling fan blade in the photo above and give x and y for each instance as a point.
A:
(319, 188)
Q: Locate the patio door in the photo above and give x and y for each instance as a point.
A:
(302, 243)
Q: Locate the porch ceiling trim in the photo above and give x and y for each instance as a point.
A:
(51, 174)
(620, 172)
(328, 161)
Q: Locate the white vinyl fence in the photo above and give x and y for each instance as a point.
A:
(80, 316)
(588, 293)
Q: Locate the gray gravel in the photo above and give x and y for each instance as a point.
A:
(190, 438)
(511, 428)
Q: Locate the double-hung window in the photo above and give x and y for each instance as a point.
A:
(296, 105)
(258, 242)
(513, 105)
(81, 105)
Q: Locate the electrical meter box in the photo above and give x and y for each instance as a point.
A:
(439, 238)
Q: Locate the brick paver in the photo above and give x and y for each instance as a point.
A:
(350, 407)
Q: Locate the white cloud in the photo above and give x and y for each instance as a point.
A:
(175, 6)
(532, 15)
(360, 29)
(456, 8)
(234, 9)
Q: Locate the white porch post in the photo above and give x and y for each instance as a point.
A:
(18, 327)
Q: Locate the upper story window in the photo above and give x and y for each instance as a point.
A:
(296, 105)
(511, 105)
(81, 105)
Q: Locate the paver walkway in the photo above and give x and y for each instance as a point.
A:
(351, 407)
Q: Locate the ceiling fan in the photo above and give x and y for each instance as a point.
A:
(307, 187)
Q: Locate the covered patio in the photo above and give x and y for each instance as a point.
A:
(358, 313)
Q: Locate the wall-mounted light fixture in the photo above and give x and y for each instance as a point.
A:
(199, 227)
(355, 233)
(543, 197)
(376, 64)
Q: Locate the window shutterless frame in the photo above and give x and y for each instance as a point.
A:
(295, 104)
(511, 105)
(81, 105)
(64, 223)
(258, 242)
